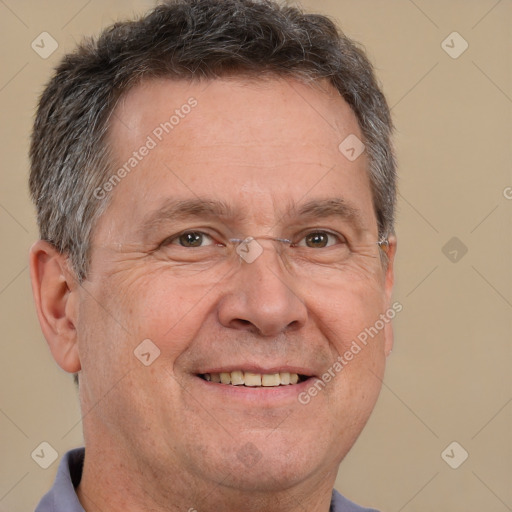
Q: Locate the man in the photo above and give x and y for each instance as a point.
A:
(215, 189)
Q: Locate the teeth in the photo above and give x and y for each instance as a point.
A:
(285, 378)
(252, 379)
(270, 380)
(239, 378)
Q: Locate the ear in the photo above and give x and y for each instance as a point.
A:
(56, 294)
(388, 287)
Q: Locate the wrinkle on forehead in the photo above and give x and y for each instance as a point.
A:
(266, 145)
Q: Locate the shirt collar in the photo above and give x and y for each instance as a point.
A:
(62, 496)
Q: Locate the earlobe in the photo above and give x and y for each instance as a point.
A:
(55, 291)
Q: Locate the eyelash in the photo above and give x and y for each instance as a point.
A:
(168, 241)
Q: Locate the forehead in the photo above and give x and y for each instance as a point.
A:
(256, 144)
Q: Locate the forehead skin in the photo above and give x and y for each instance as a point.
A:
(257, 144)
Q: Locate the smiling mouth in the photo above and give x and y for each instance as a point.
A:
(250, 379)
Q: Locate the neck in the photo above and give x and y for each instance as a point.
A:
(113, 484)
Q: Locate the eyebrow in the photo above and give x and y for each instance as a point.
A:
(183, 209)
(177, 210)
(333, 207)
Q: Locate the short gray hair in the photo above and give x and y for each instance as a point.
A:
(187, 39)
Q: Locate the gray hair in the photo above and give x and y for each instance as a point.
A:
(187, 39)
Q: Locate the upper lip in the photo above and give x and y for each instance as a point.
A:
(258, 369)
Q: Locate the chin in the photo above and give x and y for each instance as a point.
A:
(264, 464)
(268, 476)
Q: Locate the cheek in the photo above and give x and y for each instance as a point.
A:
(350, 320)
(105, 341)
(164, 308)
(115, 384)
(344, 310)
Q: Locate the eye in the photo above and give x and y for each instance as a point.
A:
(320, 239)
(189, 239)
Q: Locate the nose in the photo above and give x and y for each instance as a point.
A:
(261, 297)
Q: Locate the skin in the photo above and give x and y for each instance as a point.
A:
(158, 437)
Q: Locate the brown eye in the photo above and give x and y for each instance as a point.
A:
(317, 240)
(189, 239)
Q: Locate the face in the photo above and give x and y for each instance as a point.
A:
(245, 158)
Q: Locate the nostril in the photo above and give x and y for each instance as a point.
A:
(241, 323)
(293, 325)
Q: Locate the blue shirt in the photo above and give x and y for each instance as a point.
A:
(62, 496)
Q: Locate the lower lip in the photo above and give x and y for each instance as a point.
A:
(261, 395)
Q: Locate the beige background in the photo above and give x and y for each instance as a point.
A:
(449, 376)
